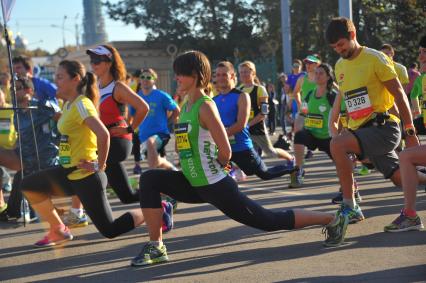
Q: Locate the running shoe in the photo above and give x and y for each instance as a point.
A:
(239, 175)
(171, 200)
(137, 169)
(297, 178)
(3, 213)
(167, 216)
(404, 223)
(335, 232)
(309, 154)
(339, 198)
(74, 221)
(290, 164)
(354, 215)
(362, 170)
(150, 255)
(54, 238)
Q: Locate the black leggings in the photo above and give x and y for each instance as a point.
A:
(91, 190)
(119, 150)
(252, 164)
(224, 195)
(136, 149)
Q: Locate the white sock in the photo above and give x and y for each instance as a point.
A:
(77, 211)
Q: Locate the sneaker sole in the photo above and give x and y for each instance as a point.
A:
(78, 225)
(411, 228)
(159, 260)
(58, 243)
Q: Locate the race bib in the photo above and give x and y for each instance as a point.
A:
(4, 126)
(358, 103)
(182, 140)
(64, 150)
(314, 121)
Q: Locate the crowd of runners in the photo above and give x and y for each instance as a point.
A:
(74, 135)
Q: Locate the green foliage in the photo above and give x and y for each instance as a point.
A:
(226, 28)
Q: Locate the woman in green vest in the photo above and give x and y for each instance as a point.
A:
(204, 152)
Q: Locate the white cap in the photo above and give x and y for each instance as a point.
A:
(99, 50)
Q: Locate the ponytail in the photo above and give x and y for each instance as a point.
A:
(88, 83)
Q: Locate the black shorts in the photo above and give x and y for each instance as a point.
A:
(306, 138)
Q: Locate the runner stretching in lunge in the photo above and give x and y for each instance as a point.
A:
(258, 111)
(83, 153)
(234, 110)
(204, 150)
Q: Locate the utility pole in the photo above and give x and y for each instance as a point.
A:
(345, 9)
(286, 35)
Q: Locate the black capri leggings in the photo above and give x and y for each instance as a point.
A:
(119, 150)
(91, 190)
(252, 164)
(224, 195)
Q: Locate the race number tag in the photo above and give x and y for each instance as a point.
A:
(182, 140)
(358, 103)
(4, 126)
(64, 150)
(314, 121)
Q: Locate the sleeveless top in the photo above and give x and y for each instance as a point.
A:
(259, 128)
(111, 112)
(197, 150)
(227, 104)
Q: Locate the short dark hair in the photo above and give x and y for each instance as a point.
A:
(226, 64)
(339, 28)
(194, 63)
(26, 61)
(414, 65)
(422, 42)
(387, 46)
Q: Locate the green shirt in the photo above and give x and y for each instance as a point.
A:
(419, 91)
(316, 120)
(197, 150)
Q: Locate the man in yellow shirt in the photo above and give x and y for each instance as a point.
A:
(400, 69)
(369, 86)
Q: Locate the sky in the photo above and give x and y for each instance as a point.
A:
(34, 20)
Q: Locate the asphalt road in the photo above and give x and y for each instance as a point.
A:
(206, 246)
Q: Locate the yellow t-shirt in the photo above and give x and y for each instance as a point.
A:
(8, 134)
(77, 140)
(262, 95)
(361, 85)
(402, 73)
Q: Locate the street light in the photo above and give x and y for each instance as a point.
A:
(63, 30)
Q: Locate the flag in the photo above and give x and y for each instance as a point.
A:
(7, 6)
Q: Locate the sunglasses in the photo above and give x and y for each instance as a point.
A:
(296, 65)
(97, 60)
(149, 78)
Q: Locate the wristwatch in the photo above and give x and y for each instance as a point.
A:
(130, 130)
(410, 131)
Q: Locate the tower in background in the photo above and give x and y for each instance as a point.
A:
(93, 23)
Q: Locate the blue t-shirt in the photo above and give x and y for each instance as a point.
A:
(46, 135)
(156, 121)
(292, 79)
(44, 89)
(227, 104)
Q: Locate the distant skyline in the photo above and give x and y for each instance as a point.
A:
(40, 23)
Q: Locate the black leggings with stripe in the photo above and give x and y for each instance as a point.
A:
(224, 195)
(91, 190)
